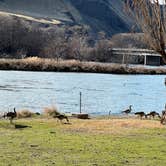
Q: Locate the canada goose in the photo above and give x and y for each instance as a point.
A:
(127, 111)
(11, 115)
(141, 114)
(153, 114)
(163, 117)
(61, 117)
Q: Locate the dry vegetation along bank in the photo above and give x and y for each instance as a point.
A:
(40, 64)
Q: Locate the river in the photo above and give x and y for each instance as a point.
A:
(100, 92)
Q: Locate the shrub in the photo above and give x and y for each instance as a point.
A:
(24, 114)
(51, 111)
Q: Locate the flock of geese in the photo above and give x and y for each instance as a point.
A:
(143, 114)
(11, 115)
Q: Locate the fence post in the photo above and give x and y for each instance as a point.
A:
(80, 102)
(145, 59)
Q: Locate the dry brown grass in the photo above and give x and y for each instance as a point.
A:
(53, 21)
(40, 64)
(50, 111)
(24, 114)
(112, 126)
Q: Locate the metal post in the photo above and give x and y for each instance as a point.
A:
(123, 60)
(145, 60)
(80, 102)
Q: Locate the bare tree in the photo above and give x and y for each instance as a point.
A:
(102, 48)
(78, 47)
(56, 48)
(151, 18)
(18, 39)
(129, 40)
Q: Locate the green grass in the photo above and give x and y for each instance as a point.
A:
(46, 142)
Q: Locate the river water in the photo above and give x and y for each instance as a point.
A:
(100, 92)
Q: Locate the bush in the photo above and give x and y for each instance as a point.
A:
(51, 111)
(24, 114)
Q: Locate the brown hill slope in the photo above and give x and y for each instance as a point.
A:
(100, 15)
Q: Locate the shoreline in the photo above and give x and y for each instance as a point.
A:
(51, 65)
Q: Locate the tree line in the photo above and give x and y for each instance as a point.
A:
(21, 39)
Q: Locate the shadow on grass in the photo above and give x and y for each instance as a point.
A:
(67, 123)
(18, 126)
(13, 126)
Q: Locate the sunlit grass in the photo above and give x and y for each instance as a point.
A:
(102, 142)
(53, 21)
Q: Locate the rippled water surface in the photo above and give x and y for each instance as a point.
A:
(101, 92)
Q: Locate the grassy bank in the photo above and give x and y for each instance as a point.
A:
(38, 64)
(98, 142)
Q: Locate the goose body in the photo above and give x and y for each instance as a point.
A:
(61, 117)
(11, 115)
(141, 114)
(153, 114)
(127, 111)
(163, 117)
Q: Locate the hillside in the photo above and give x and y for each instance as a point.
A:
(100, 15)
